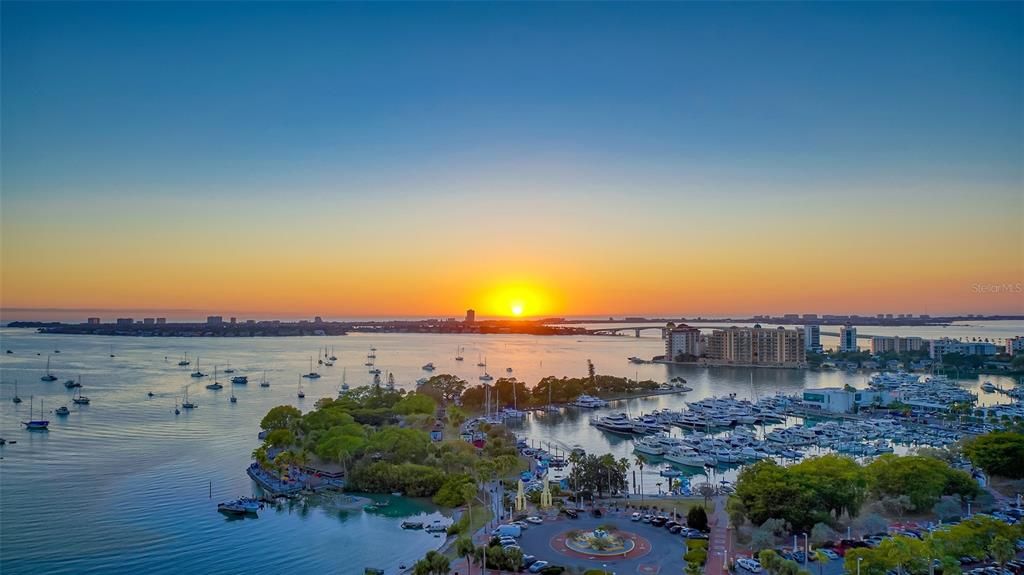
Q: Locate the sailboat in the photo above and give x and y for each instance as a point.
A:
(344, 386)
(71, 384)
(112, 351)
(302, 393)
(216, 384)
(197, 372)
(176, 410)
(486, 376)
(458, 354)
(264, 382)
(49, 376)
(79, 399)
(35, 424)
(233, 398)
(312, 374)
(229, 369)
(482, 362)
(16, 399)
(185, 403)
(333, 357)
(328, 361)
(184, 360)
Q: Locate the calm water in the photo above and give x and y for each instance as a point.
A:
(123, 485)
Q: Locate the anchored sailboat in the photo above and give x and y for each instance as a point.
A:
(49, 376)
(36, 424)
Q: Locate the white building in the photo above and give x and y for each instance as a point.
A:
(1015, 345)
(812, 337)
(848, 339)
(682, 340)
(840, 400)
(939, 347)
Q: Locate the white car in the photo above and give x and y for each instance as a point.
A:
(635, 517)
(535, 520)
(749, 564)
(830, 554)
(536, 567)
(647, 518)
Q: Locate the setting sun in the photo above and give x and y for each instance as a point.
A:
(517, 309)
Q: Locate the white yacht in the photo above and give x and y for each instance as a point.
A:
(589, 402)
(649, 446)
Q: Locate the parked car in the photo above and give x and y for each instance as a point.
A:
(635, 517)
(671, 524)
(535, 520)
(658, 521)
(647, 518)
(570, 513)
(749, 564)
(830, 553)
(537, 566)
(595, 512)
(529, 560)
(675, 528)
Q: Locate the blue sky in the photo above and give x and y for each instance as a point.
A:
(120, 108)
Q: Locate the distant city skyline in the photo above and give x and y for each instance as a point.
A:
(534, 159)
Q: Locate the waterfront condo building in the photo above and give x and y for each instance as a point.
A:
(885, 344)
(940, 347)
(470, 316)
(848, 339)
(757, 346)
(1014, 345)
(681, 341)
(812, 337)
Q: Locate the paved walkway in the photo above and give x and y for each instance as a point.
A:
(720, 540)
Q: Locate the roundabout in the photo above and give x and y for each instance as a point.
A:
(602, 542)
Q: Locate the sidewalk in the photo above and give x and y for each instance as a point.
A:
(719, 543)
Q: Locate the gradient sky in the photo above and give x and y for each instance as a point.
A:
(418, 159)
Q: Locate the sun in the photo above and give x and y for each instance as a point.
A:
(517, 309)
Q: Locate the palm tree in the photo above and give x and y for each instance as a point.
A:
(769, 559)
(439, 564)
(640, 463)
(464, 548)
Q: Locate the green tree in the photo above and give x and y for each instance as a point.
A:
(736, 510)
(464, 548)
(415, 403)
(697, 518)
(1002, 550)
(998, 453)
(770, 560)
(281, 417)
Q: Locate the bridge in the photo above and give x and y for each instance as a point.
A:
(619, 330)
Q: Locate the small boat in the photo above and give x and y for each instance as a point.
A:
(481, 363)
(112, 351)
(185, 403)
(198, 372)
(229, 369)
(16, 399)
(79, 399)
(669, 471)
(36, 424)
(71, 384)
(375, 371)
(49, 376)
(486, 377)
(216, 384)
(9, 351)
(333, 357)
(422, 381)
(233, 398)
(429, 367)
(176, 410)
(312, 374)
(240, 506)
(412, 524)
(264, 382)
(301, 393)
(458, 355)
(988, 387)
(151, 394)
(508, 370)
(240, 380)
(56, 351)
(62, 410)
(184, 360)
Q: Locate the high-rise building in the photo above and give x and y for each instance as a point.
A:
(470, 316)
(1015, 345)
(125, 322)
(681, 341)
(161, 320)
(848, 339)
(93, 321)
(756, 346)
(214, 320)
(885, 344)
(148, 321)
(812, 337)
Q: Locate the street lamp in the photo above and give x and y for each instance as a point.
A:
(807, 549)
(859, 559)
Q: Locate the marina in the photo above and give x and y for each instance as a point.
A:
(158, 472)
